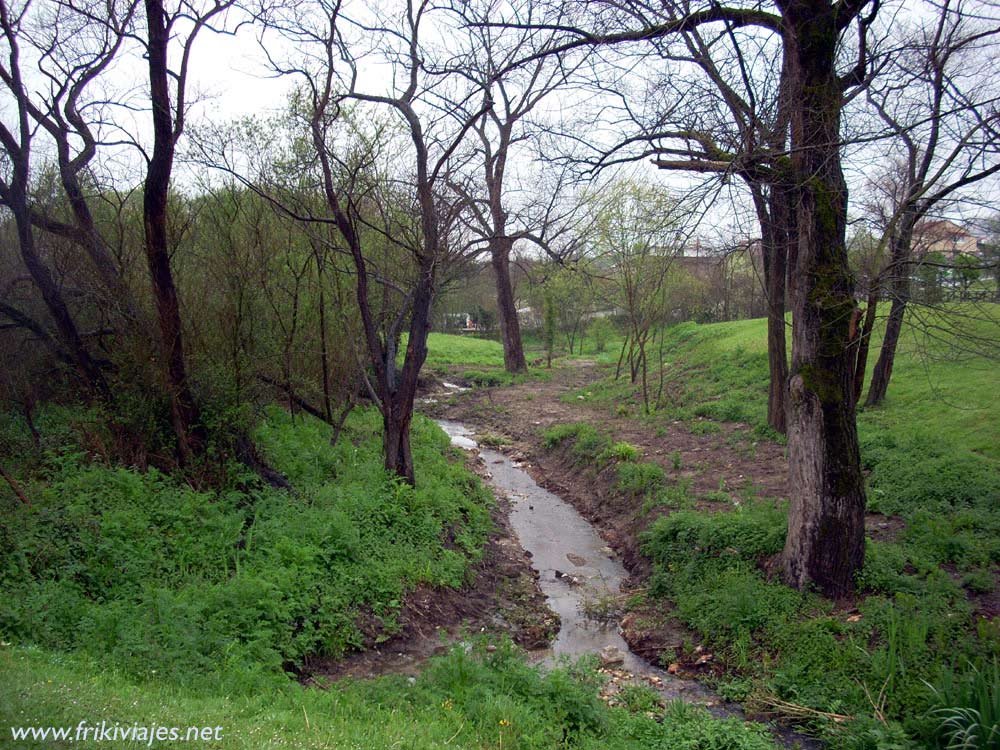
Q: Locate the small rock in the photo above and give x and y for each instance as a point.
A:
(491, 648)
(674, 668)
(576, 559)
(567, 578)
(611, 655)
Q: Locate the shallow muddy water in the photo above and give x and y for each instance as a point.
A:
(577, 570)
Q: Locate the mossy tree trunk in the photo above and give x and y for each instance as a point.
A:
(825, 543)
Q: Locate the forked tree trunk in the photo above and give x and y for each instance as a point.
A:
(396, 445)
(184, 413)
(825, 542)
(510, 327)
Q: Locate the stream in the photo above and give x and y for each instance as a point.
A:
(577, 569)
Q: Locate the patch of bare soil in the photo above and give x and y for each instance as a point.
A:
(502, 598)
(719, 466)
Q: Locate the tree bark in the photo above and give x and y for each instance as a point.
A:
(776, 216)
(825, 542)
(864, 343)
(184, 412)
(510, 327)
(900, 290)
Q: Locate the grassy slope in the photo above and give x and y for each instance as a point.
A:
(481, 360)
(933, 457)
(132, 598)
(483, 700)
(448, 349)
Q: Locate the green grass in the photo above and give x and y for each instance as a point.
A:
(478, 700)
(448, 349)
(225, 586)
(932, 455)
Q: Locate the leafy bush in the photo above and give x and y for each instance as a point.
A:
(600, 331)
(488, 379)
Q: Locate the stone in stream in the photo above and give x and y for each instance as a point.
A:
(611, 655)
(567, 578)
(576, 559)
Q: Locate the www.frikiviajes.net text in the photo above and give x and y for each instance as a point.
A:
(115, 732)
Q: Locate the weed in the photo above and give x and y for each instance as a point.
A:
(493, 440)
(675, 460)
(621, 451)
(967, 708)
(639, 479)
(979, 581)
(704, 427)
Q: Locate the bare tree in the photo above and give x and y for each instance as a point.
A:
(719, 109)
(429, 114)
(825, 541)
(503, 130)
(168, 98)
(59, 116)
(938, 104)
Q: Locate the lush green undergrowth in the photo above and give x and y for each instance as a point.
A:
(887, 663)
(146, 573)
(482, 699)
(914, 661)
(131, 598)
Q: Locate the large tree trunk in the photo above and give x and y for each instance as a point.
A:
(184, 413)
(510, 327)
(825, 542)
(899, 269)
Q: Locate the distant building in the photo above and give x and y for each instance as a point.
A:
(945, 237)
